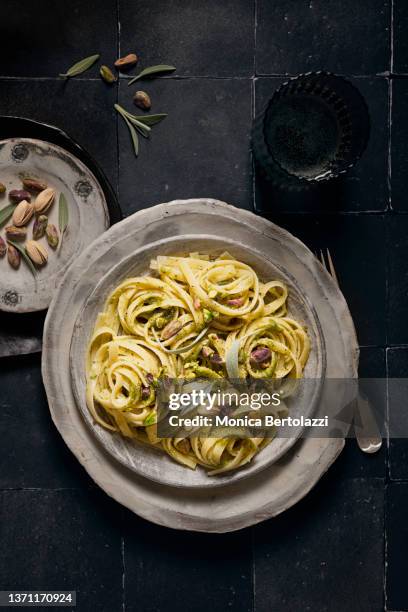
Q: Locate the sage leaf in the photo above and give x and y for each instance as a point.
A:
(6, 212)
(144, 130)
(151, 119)
(80, 66)
(135, 140)
(63, 217)
(24, 256)
(152, 70)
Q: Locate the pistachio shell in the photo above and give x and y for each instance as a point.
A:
(2, 188)
(37, 253)
(22, 213)
(16, 233)
(44, 200)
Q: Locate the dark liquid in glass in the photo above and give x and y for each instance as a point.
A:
(303, 135)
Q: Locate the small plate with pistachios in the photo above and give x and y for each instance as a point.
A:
(51, 208)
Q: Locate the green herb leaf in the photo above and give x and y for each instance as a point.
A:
(150, 419)
(135, 139)
(24, 255)
(151, 71)
(6, 212)
(144, 130)
(119, 109)
(142, 124)
(80, 66)
(63, 217)
(151, 119)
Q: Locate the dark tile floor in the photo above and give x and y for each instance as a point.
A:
(328, 553)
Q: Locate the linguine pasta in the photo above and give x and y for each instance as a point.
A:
(194, 317)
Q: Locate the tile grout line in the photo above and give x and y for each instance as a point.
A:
(253, 101)
(253, 568)
(390, 101)
(122, 539)
(255, 32)
(392, 38)
(117, 101)
(123, 77)
(122, 552)
(385, 551)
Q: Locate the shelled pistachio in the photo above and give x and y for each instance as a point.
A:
(127, 61)
(18, 195)
(39, 227)
(13, 257)
(16, 233)
(3, 247)
(34, 184)
(52, 235)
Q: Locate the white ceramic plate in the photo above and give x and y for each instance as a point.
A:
(20, 291)
(236, 505)
(151, 462)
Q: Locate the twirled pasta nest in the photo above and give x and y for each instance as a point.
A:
(196, 317)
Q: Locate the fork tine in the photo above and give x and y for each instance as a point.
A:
(331, 267)
(322, 261)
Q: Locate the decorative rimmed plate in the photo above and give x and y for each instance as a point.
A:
(153, 463)
(234, 506)
(20, 291)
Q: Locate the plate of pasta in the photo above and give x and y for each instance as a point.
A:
(134, 473)
(190, 307)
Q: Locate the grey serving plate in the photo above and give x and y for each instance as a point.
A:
(235, 505)
(151, 462)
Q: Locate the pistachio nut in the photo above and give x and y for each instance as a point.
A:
(13, 256)
(2, 188)
(260, 355)
(39, 227)
(171, 330)
(34, 184)
(107, 74)
(184, 446)
(22, 213)
(142, 100)
(3, 247)
(37, 253)
(126, 62)
(207, 351)
(16, 233)
(52, 235)
(145, 393)
(18, 195)
(44, 200)
(236, 302)
(216, 359)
